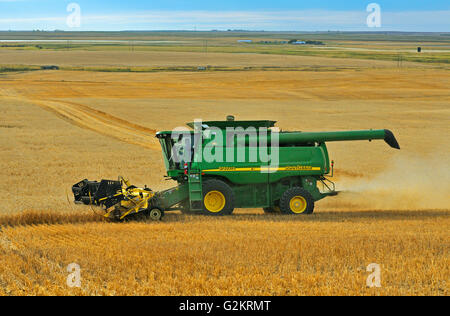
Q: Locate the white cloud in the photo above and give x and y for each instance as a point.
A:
(253, 20)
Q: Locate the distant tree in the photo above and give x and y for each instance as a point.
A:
(314, 43)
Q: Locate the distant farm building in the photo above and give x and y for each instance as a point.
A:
(298, 43)
(273, 42)
(51, 67)
(245, 41)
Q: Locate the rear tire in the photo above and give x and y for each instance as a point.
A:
(218, 198)
(297, 201)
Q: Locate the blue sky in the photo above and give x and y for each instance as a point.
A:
(281, 15)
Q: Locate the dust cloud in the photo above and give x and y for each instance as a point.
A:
(410, 183)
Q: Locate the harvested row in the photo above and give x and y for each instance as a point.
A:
(103, 123)
(32, 217)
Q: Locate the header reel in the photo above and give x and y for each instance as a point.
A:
(119, 199)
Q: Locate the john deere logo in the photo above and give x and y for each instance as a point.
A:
(296, 168)
(227, 168)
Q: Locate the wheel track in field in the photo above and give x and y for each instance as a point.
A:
(101, 122)
(97, 121)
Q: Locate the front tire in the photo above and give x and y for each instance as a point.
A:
(155, 214)
(218, 198)
(297, 201)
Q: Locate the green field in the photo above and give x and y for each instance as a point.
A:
(394, 46)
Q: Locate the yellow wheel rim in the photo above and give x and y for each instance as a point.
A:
(214, 201)
(298, 204)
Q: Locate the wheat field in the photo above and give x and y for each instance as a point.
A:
(58, 127)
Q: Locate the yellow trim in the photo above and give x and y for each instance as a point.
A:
(102, 199)
(287, 168)
(298, 204)
(137, 199)
(214, 201)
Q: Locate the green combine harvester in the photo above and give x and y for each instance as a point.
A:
(223, 165)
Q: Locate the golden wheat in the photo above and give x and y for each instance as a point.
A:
(242, 255)
(53, 133)
(178, 59)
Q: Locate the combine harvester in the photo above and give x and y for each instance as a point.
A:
(217, 187)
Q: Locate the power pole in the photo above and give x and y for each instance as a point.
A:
(399, 61)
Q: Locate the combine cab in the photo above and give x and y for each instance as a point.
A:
(223, 165)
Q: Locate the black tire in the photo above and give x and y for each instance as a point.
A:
(155, 213)
(302, 195)
(216, 185)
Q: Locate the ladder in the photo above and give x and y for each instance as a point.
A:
(195, 190)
